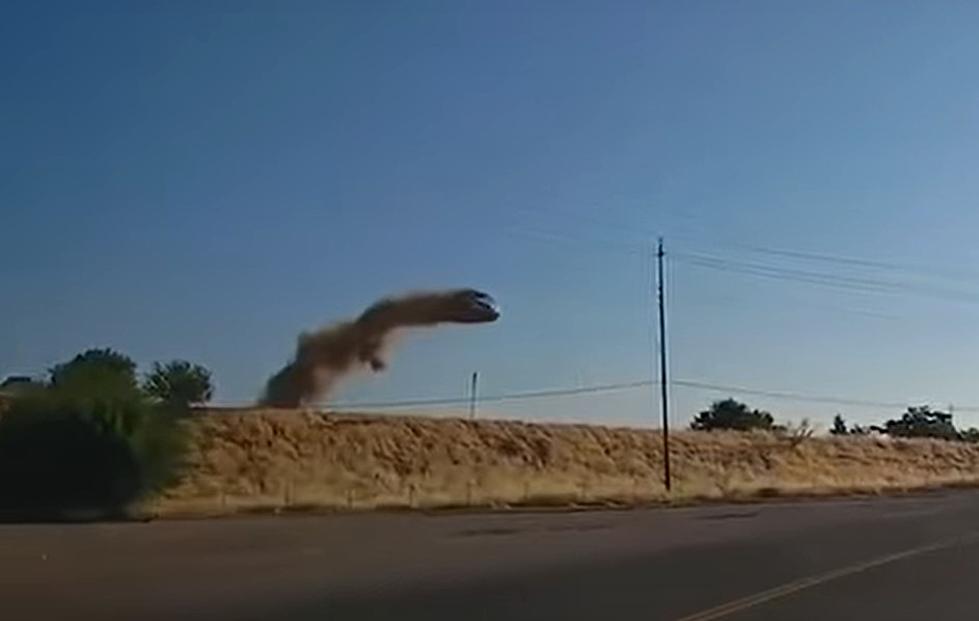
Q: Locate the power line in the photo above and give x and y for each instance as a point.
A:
(851, 283)
(616, 387)
(827, 258)
(875, 264)
(793, 396)
(790, 396)
(516, 396)
(727, 265)
(859, 284)
(783, 273)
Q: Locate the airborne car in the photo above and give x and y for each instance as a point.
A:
(479, 307)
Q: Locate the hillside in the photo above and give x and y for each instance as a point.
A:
(268, 459)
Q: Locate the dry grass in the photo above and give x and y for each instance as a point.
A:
(256, 460)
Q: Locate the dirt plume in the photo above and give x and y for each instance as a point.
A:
(328, 355)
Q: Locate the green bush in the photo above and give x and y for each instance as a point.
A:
(63, 452)
(922, 422)
(731, 414)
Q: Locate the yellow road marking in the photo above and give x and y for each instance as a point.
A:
(793, 587)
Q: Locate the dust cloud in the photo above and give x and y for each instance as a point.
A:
(326, 356)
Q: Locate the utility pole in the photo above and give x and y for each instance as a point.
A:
(472, 394)
(664, 386)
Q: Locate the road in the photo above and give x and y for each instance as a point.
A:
(890, 558)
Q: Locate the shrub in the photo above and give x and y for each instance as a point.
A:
(970, 435)
(62, 452)
(795, 435)
(922, 422)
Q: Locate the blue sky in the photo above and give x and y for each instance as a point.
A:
(182, 181)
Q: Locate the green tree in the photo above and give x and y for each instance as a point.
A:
(922, 422)
(179, 383)
(96, 373)
(970, 435)
(839, 426)
(732, 414)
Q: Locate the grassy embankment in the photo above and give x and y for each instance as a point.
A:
(261, 460)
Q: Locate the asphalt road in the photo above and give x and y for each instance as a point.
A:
(897, 558)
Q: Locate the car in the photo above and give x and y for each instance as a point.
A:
(477, 307)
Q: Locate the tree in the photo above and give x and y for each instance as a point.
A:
(731, 414)
(970, 435)
(103, 373)
(179, 383)
(839, 426)
(922, 422)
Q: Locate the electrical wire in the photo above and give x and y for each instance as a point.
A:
(789, 396)
(798, 255)
(864, 263)
(850, 283)
(854, 283)
(758, 269)
(517, 396)
(621, 386)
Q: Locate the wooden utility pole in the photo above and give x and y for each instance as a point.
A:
(663, 380)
